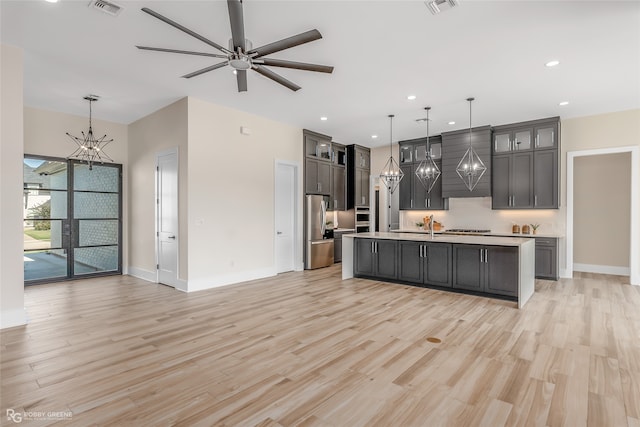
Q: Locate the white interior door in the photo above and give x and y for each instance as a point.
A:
(285, 217)
(167, 217)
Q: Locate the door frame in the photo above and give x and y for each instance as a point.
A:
(634, 250)
(298, 264)
(174, 150)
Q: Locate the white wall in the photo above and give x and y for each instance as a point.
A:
(11, 143)
(159, 131)
(231, 193)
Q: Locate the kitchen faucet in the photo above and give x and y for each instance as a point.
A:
(431, 225)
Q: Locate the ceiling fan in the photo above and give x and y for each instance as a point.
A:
(241, 55)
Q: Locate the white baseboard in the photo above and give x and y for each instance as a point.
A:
(602, 269)
(140, 273)
(12, 318)
(565, 273)
(182, 285)
(229, 279)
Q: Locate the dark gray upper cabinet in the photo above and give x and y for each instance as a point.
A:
(513, 181)
(338, 185)
(317, 145)
(545, 179)
(525, 165)
(424, 263)
(317, 177)
(489, 269)
(454, 146)
(358, 171)
(413, 195)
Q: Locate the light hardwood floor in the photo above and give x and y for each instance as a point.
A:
(306, 349)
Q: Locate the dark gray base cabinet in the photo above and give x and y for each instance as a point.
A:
(487, 269)
(546, 258)
(375, 258)
(425, 263)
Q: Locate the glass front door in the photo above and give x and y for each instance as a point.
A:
(72, 219)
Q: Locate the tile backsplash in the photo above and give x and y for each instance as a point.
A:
(476, 212)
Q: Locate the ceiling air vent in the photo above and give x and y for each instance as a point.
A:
(437, 6)
(106, 7)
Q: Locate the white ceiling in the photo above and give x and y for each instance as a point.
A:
(382, 51)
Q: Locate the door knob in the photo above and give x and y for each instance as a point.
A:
(171, 237)
(278, 232)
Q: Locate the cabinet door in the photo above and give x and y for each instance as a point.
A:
(502, 142)
(337, 247)
(546, 259)
(363, 257)
(437, 264)
(522, 139)
(324, 178)
(436, 202)
(521, 176)
(311, 176)
(406, 154)
(419, 195)
(386, 266)
(545, 179)
(362, 187)
(501, 193)
(501, 268)
(467, 269)
(338, 198)
(406, 188)
(316, 147)
(363, 158)
(546, 136)
(410, 261)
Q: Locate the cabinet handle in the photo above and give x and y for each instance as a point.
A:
(335, 202)
(426, 255)
(535, 200)
(372, 251)
(481, 256)
(486, 256)
(537, 140)
(363, 200)
(513, 201)
(411, 202)
(376, 246)
(420, 256)
(429, 202)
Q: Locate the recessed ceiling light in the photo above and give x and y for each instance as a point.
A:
(552, 63)
(235, 72)
(374, 136)
(563, 103)
(51, 1)
(324, 119)
(411, 97)
(452, 123)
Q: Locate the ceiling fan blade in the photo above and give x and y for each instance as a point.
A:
(184, 52)
(241, 76)
(206, 70)
(184, 29)
(296, 65)
(276, 77)
(283, 44)
(237, 23)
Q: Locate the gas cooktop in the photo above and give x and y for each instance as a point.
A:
(466, 231)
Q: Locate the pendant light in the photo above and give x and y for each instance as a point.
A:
(90, 149)
(391, 174)
(470, 168)
(428, 171)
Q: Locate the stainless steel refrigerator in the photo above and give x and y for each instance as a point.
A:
(319, 240)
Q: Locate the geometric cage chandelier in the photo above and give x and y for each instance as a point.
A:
(428, 171)
(391, 173)
(470, 168)
(90, 149)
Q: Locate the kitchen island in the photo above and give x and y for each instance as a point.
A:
(493, 266)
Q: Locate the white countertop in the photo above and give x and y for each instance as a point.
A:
(492, 233)
(445, 238)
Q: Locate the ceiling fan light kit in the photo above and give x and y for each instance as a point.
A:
(470, 168)
(241, 56)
